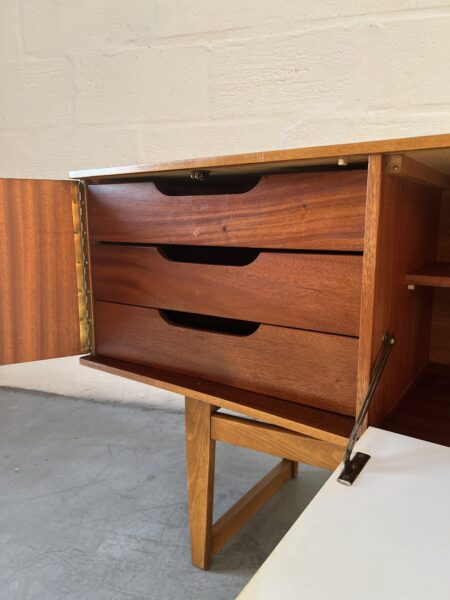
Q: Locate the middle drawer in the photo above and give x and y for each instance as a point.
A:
(319, 292)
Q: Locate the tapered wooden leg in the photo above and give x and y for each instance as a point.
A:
(200, 456)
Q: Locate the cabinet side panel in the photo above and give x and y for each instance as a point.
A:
(400, 238)
(372, 221)
(38, 284)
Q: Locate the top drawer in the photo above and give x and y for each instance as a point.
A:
(317, 211)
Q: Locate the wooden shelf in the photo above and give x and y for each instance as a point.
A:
(434, 275)
(314, 422)
(424, 411)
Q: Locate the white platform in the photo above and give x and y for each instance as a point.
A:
(385, 538)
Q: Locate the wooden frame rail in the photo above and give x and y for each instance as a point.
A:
(204, 427)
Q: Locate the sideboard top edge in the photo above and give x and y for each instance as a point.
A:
(310, 155)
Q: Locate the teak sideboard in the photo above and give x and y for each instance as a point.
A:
(261, 283)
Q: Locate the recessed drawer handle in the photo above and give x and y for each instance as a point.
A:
(210, 255)
(211, 185)
(209, 323)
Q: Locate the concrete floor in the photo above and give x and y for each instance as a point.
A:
(93, 504)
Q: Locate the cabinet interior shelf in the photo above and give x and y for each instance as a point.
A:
(436, 274)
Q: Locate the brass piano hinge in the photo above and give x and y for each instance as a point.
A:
(80, 235)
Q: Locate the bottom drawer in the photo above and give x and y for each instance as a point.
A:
(307, 367)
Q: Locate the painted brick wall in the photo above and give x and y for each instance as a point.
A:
(88, 83)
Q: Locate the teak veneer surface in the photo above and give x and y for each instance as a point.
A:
(400, 165)
(38, 285)
(291, 156)
(433, 275)
(200, 462)
(372, 218)
(440, 325)
(424, 410)
(274, 440)
(320, 424)
(301, 366)
(315, 211)
(402, 225)
(321, 292)
(443, 253)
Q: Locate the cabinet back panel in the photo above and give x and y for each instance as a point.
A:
(440, 327)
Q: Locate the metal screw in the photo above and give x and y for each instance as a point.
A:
(199, 175)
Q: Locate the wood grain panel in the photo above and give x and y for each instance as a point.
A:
(401, 237)
(274, 440)
(365, 358)
(318, 211)
(401, 166)
(200, 462)
(424, 411)
(436, 274)
(444, 228)
(427, 147)
(306, 367)
(440, 327)
(320, 424)
(38, 286)
(440, 324)
(321, 292)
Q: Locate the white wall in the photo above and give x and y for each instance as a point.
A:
(88, 83)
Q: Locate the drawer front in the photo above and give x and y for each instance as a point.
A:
(318, 211)
(306, 367)
(320, 292)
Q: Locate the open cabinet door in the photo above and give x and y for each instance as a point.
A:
(39, 314)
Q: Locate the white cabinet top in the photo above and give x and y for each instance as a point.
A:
(385, 538)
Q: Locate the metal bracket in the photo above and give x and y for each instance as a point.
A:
(354, 466)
